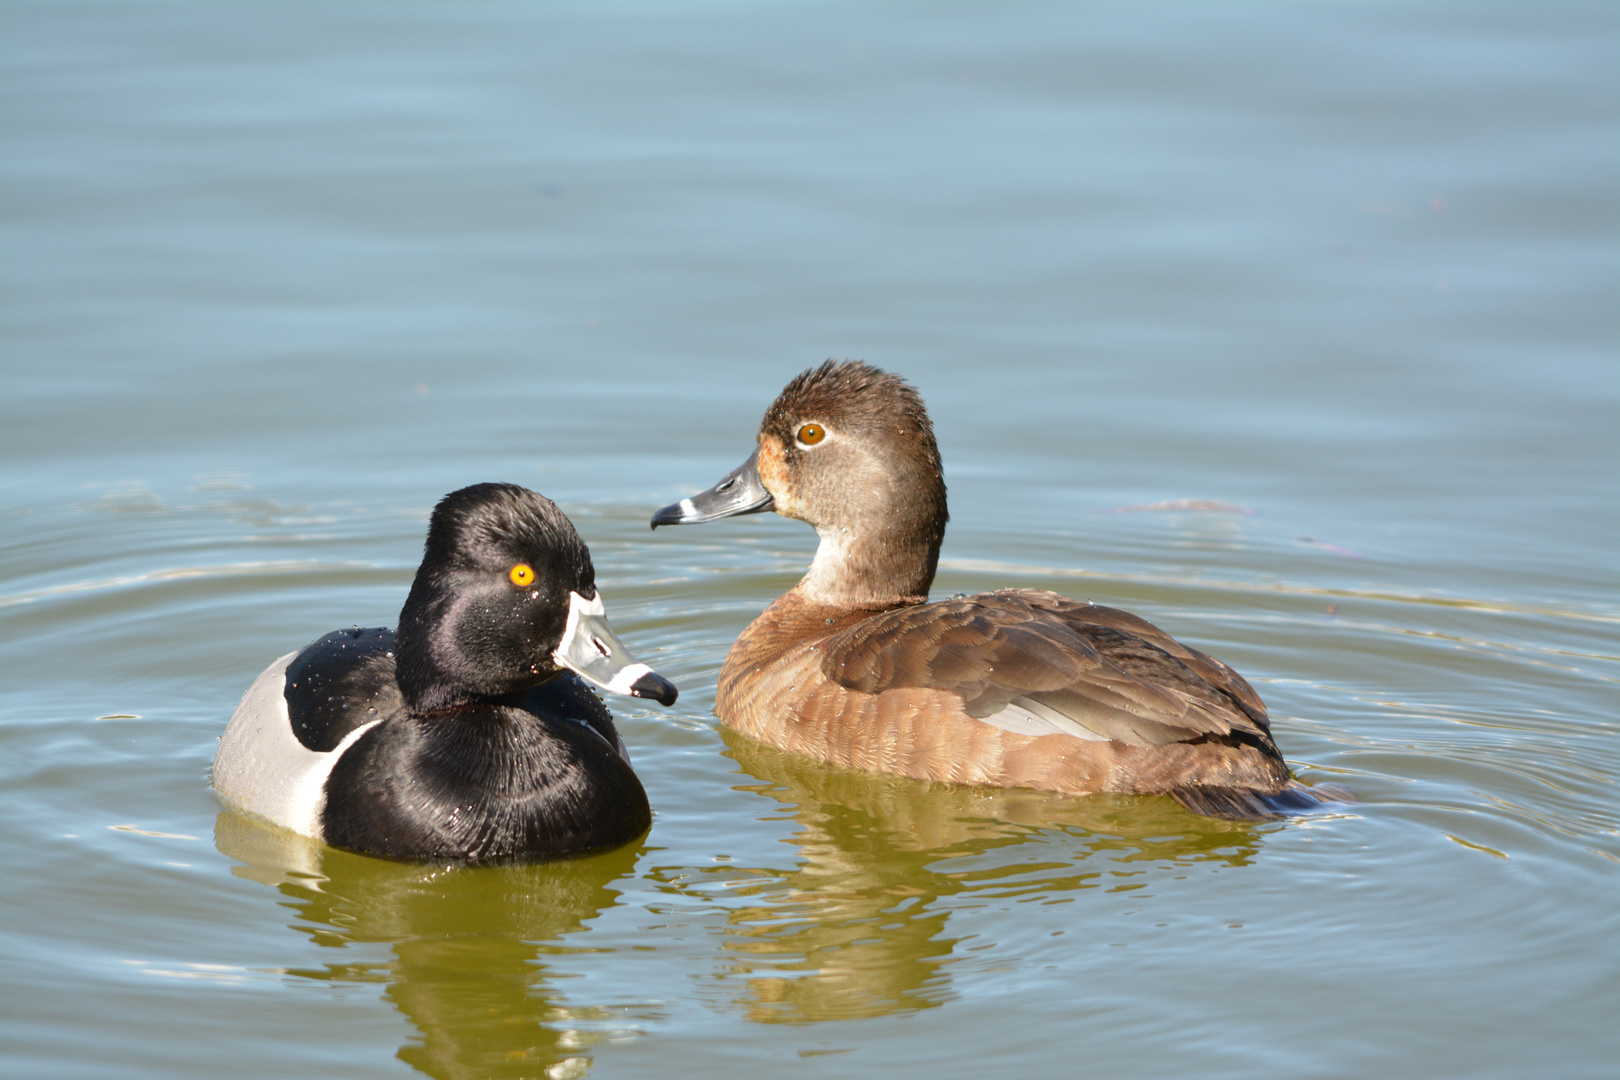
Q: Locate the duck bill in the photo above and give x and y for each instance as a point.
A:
(740, 492)
(590, 647)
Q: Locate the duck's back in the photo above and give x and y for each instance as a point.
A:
(1014, 688)
(1112, 674)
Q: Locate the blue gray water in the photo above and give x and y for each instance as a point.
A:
(1290, 327)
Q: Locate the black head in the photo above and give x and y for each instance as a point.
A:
(502, 571)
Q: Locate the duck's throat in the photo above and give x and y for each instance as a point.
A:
(869, 570)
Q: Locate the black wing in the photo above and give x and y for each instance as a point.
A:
(341, 682)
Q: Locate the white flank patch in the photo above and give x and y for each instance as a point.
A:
(1025, 716)
(262, 768)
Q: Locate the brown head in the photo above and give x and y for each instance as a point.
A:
(849, 449)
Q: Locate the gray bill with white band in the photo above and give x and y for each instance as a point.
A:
(590, 647)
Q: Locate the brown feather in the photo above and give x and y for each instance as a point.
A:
(866, 693)
(851, 666)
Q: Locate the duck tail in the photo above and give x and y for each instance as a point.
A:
(1235, 804)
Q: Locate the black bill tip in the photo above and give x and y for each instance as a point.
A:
(673, 514)
(740, 491)
(655, 686)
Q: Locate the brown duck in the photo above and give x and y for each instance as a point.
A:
(1013, 688)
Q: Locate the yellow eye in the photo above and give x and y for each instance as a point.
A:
(810, 434)
(522, 574)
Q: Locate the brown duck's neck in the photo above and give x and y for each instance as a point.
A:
(869, 569)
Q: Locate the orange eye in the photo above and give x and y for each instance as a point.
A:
(522, 574)
(810, 434)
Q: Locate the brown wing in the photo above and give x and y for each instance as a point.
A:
(1037, 658)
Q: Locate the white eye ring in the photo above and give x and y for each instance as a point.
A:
(817, 434)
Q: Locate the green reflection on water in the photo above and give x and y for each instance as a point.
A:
(466, 945)
(859, 928)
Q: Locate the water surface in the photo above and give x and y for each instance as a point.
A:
(1290, 328)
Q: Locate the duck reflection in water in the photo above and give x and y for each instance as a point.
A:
(860, 927)
(467, 945)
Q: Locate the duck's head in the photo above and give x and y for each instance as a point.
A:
(506, 599)
(849, 449)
